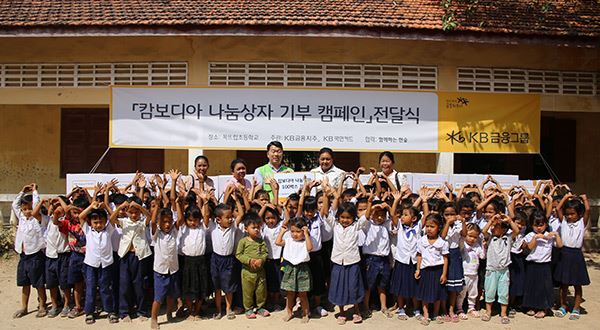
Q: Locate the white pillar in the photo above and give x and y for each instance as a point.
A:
(445, 163)
(192, 154)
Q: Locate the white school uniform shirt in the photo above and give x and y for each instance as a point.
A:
(406, 248)
(326, 229)
(294, 252)
(98, 246)
(543, 250)
(432, 254)
(56, 242)
(572, 233)
(165, 251)
(377, 238)
(345, 241)
(29, 238)
(471, 256)
(334, 175)
(454, 234)
(517, 247)
(554, 223)
(223, 239)
(193, 240)
(269, 236)
(314, 229)
(134, 234)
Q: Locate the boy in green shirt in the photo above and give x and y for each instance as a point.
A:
(252, 253)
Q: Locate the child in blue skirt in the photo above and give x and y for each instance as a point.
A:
(403, 283)
(432, 267)
(517, 265)
(571, 270)
(454, 231)
(346, 284)
(539, 295)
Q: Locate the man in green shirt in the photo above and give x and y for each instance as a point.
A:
(252, 253)
(263, 173)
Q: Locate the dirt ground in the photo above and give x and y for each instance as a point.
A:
(10, 297)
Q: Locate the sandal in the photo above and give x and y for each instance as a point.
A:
(231, 315)
(20, 313)
(439, 319)
(425, 321)
(512, 312)
(454, 318)
(463, 316)
(113, 318)
(356, 319)
(418, 316)
(304, 319)
(402, 315)
(486, 317)
(561, 312)
(531, 312)
(217, 316)
(474, 314)
(75, 312)
(504, 320)
(387, 313)
(89, 319)
(540, 315)
(341, 320)
(574, 315)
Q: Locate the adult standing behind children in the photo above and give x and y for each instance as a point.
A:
(327, 169)
(386, 163)
(199, 177)
(275, 165)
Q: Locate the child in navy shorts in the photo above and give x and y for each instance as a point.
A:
(29, 243)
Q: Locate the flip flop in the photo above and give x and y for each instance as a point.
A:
(231, 315)
(463, 316)
(505, 320)
(425, 321)
(41, 313)
(574, 315)
(454, 318)
(356, 319)
(402, 315)
(561, 312)
(341, 320)
(540, 315)
(486, 317)
(89, 319)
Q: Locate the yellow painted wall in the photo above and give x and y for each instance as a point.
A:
(19, 156)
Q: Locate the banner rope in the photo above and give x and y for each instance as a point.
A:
(95, 167)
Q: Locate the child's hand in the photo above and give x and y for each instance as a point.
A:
(417, 274)
(174, 174)
(305, 230)
(397, 195)
(443, 279)
(28, 188)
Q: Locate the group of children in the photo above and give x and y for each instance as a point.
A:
(428, 250)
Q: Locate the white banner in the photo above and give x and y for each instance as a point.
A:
(249, 118)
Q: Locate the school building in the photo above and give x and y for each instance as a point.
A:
(57, 59)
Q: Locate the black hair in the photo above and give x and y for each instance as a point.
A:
(251, 218)
(362, 200)
(473, 226)
(438, 219)
(98, 213)
(520, 216)
(297, 222)
(255, 207)
(237, 161)
(369, 187)
(449, 205)
(221, 208)
(465, 203)
(293, 197)
(26, 199)
(260, 192)
(347, 207)
(81, 202)
(435, 204)
(274, 144)
(190, 198)
(472, 194)
(118, 198)
(165, 212)
(498, 205)
(64, 199)
(272, 210)
(537, 218)
(406, 203)
(384, 185)
(349, 192)
(413, 197)
(310, 203)
(200, 157)
(388, 155)
(576, 205)
(135, 199)
(192, 211)
(326, 150)
(413, 212)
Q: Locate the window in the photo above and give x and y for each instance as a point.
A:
(93, 74)
(528, 81)
(405, 77)
(84, 138)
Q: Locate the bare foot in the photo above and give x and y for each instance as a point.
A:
(304, 319)
(142, 318)
(154, 324)
(287, 317)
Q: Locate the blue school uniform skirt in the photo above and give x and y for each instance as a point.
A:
(377, 271)
(403, 282)
(517, 274)
(429, 288)
(456, 276)
(539, 293)
(346, 285)
(571, 269)
(194, 278)
(273, 271)
(318, 273)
